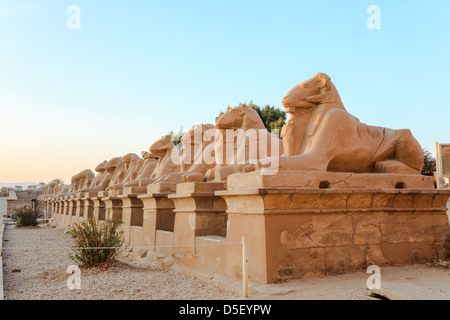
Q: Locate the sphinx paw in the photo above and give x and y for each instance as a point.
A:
(248, 168)
(239, 167)
(193, 177)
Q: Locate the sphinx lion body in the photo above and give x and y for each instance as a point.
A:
(322, 135)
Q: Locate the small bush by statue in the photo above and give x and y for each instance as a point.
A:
(96, 244)
(26, 216)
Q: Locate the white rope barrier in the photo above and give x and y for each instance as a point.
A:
(126, 247)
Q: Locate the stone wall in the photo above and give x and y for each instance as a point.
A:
(16, 204)
(292, 232)
(17, 199)
(3, 205)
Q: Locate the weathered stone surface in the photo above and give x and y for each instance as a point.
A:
(413, 228)
(359, 200)
(344, 259)
(406, 253)
(304, 200)
(322, 231)
(299, 239)
(316, 179)
(403, 200)
(366, 229)
(374, 256)
(284, 273)
(310, 264)
(334, 200)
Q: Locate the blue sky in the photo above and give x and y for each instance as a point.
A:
(70, 99)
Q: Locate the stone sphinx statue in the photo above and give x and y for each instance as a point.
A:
(55, 188)
(146, 170)
(51, 188)
(115, 167)
(195, 145)
(243, 119)
(168, 158)
(101, 180)
(81, 181)
(73, 184)
(61, 189)
(132, 164)
(322, 136)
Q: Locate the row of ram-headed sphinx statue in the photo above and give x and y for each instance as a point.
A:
(340, 195)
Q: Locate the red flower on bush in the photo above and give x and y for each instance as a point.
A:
(105, 267)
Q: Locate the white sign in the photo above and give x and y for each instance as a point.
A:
(442, 163)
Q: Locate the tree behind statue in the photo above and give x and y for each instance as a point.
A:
(272, 117)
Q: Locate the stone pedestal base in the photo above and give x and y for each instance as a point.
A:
(99, 209)
(304, 231)
(132, 217)
(88, 208)
(159, 217)
(198, 213)
(302, 224)
(70, 212)
(56, 211)
(113, 208)
(328, 180)
(79, 211)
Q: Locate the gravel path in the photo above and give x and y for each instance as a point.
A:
(416, 282)
(33, 271)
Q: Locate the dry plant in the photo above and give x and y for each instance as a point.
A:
(96, 244)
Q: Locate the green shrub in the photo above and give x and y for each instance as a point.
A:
(92, 241)
(26, 216)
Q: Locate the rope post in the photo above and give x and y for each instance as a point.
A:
(244, 267)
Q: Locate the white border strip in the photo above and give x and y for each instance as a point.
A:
(2, 231)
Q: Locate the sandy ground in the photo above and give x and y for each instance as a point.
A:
(35, 267)
(416, 282)
(38, 253)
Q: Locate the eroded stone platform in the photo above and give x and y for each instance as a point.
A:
(297, 231)
(327, 180)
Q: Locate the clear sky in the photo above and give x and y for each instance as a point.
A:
(70, 99)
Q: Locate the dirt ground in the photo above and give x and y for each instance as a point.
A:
(36, 259)
(417, 282)
(35, 267)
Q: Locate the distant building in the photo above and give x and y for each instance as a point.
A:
(18, 198)
(3, 202)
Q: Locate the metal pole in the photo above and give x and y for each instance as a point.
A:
(244, 267)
